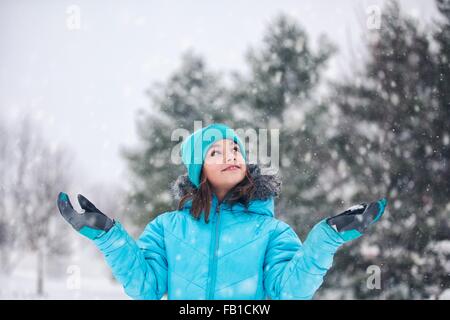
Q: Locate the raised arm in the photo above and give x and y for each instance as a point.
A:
(140, 266)
(293, 270)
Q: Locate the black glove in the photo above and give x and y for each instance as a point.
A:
(353, 222)
(92, 223)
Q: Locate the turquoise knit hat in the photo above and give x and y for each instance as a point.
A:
(195, 147)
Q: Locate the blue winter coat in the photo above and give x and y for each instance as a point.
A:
(242, 253)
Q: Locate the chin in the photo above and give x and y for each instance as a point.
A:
(229, 181)
(232, 181)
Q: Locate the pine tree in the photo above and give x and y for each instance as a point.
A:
(393, 137)
(280, 93)
(442, 91)
(192, 93)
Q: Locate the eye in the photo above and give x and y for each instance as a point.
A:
(214, 152)
(236, 148)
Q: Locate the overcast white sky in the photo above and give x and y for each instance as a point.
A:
(84, 86)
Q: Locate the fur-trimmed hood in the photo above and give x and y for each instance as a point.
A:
(267, 187)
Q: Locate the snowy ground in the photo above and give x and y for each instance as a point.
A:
(83, 275)
(22, 285)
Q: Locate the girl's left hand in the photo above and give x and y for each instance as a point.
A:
(353, 222)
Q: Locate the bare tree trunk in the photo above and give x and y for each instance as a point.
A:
(40, 270)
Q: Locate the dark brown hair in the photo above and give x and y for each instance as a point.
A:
(202, 196)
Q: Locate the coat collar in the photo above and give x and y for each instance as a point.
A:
(267, 187)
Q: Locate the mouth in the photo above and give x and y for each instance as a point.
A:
(232, 168)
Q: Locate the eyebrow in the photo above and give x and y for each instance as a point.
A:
(216, 145)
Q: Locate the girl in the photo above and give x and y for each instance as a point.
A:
(223, 241)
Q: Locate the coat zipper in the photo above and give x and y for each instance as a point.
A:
(214, 263)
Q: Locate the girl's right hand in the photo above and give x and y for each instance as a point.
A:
(92, 223)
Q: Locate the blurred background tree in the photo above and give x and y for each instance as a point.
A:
(192, 93)
(32, 172)
(393, 135)
(281, 92)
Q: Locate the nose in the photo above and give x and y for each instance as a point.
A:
(229, 154)
(230, 157)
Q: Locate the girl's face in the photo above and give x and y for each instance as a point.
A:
(224, 166)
